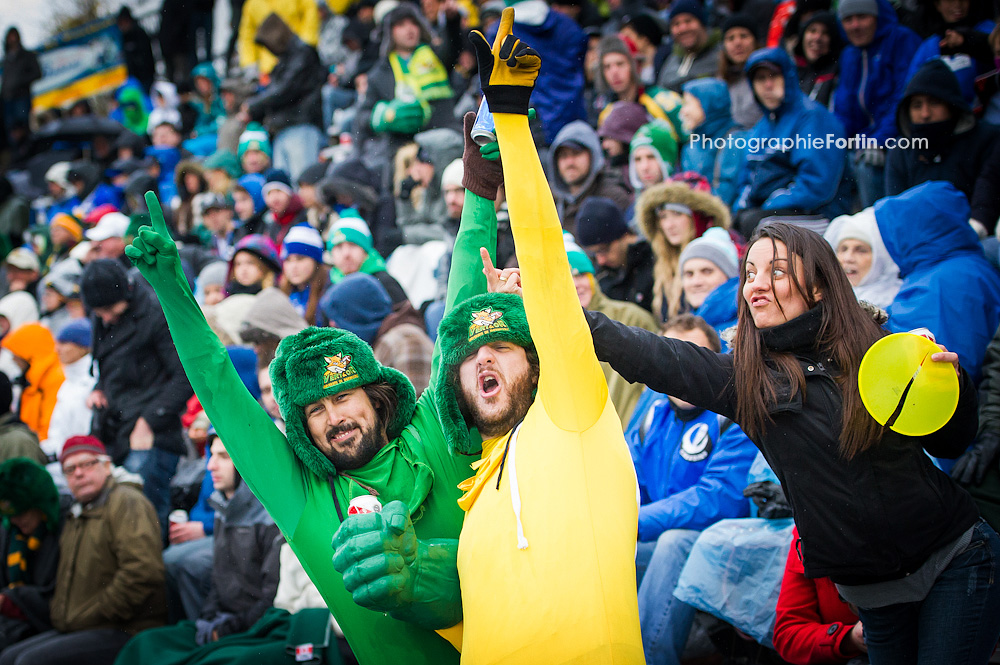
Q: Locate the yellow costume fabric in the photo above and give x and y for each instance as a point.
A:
(547, 560)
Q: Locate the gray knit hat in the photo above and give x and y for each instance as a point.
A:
(855, 7)
(714, 245)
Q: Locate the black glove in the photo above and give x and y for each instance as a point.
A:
(769, 499)
(508, 69)
(971, 467)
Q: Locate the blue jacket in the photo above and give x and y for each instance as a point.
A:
(689, 476)
(720, 166)
(203, 511)
(872, 79)
(965, 68)
(948, 285)
(805, 177)
(558, 94)
(719, 308)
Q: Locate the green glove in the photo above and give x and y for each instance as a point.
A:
(398, 117)
(387, 569)
(153, 251)
(507, 69)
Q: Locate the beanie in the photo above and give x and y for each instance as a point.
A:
(739, 20)
(622, 121)
(579, 262)
(646, 25)
(260, 246)
(254, 137)
(693, 7)
(854, 7)
(599, 221)
(25, 484)
(359, 304)
(81, 444)
(68, 223)
(453, 174)
(312, 174)
(277, 179)
(303, 240)
(223, 160)
(716, 246)
(104, 283)
(76, 332)
(352, 229)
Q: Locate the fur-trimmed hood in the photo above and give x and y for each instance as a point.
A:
(678, 192)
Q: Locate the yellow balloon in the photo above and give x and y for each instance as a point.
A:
(897, 374)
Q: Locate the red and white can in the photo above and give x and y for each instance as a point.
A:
(366, 503)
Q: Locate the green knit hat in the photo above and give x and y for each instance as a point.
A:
(579, 262)
(482, 319)
(25, 484)
(319, 362)
(351, 228)
(254, 137)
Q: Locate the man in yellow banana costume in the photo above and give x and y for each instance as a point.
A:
(546, 553)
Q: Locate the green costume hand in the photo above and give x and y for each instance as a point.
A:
(507, 69)
(398, 117)
(153, 251)
(387, 569)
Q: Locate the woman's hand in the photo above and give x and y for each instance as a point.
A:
(507, 280)
(946, 356)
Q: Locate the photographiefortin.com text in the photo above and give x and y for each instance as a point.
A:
(808, 142)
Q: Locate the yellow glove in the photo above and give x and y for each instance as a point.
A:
(508, 69)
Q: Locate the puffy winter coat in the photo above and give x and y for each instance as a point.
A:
(34, 344)
(948, 285)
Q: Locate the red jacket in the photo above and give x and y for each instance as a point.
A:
(812, 621)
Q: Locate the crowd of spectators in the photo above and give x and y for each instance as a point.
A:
(313, 176)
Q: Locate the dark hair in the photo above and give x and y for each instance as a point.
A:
(728, 70)
(846, 332)
(384, 399)
(689, 322)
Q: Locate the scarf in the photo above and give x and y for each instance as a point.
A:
(392, 472)
(494, 453)
(20, 551)
(423, 74)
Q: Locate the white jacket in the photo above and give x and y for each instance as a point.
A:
(71, 417)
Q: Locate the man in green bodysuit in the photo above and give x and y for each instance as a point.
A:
(353, 428)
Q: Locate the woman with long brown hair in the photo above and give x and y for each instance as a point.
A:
(901, 540)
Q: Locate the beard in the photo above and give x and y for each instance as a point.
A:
(372, 440)
(493, 424)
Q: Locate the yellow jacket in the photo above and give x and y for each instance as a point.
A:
(300, 15)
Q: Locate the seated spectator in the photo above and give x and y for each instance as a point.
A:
(290, 105)
(306, 186)
(576, 170)
(16, 440)
(60, 295)
(873, 73)
(133, 106)
(927, 234)
(71, 416)
(696, 50)
(618, 127)
(109, 583)
(23, 270)
(254, 149)
(16, 309)
(624, 395)
(304, 278)
(420, 208)
(85, 177)
(709, 275)
(739, 40)
(816, 57)
(692, 466)
(207, 101)
(249, 206)
(255, 265)
(652, 156)
(107, 238)
(189, 178)
(707, 119)
(65, 233)
(222, 169)
(246, 547)
(187, 559)
(671, 215)
(618, 81)
(217, 225)
(284, 207)
(813, 625)
(62, 194)
(625, 259)
(351, 251)
(29, 546)
(959, 148)
(644, 31)
(803, 180)
(861, 252)
(34, 351)
(210, 286)
(360, 304)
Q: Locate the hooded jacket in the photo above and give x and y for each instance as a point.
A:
(659, 136)
(804, 178)
(34, 344)
(274, 313)
(948, 285)
(302, 16)
(719, 309)
(426, 223)
(881, 284)
(872, 78)
(692, 467)
(293, 95)
(598, 181)
(71, 417)
(961, 149)
(720, 166)
(818, 79)
(210, 112)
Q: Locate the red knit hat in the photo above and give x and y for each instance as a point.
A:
(81, 444)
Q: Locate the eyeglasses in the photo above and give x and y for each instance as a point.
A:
(69, 470)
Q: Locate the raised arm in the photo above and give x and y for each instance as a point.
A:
(259, 450)
(571, 384)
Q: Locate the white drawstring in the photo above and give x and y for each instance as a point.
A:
(515, 495)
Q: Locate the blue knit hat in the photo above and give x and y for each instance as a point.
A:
(76, 332)
(253, 184)
(304, 240)
(693, 7)
(359, 304)
(277, 179)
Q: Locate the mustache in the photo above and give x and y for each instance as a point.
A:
(333, 432)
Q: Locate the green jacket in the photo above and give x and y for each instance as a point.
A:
(16, 440)
(304, 505)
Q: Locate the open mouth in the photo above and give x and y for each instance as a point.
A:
(759, 301)
(341, 437)
(489, 384)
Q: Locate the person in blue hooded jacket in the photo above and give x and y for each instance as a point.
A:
(707, 116)
(948, 285)
(692, 466)
(873, 74)
(802, 180)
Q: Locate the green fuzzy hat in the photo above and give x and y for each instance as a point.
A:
(482, 319)
(25, 484)
(319, 362)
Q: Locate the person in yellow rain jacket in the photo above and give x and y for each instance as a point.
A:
(546, 553)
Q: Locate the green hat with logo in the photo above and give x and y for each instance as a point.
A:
(25, 484)
(480, 320)
(320, 362)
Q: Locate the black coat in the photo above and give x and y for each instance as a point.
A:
(141, 375)
(633, 282)
(20, 70)
(293, 96)
(32, 597)
(876, 517)
(138, 53)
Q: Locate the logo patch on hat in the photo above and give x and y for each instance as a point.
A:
(338, 237)
(338, 370)
(486, 321)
